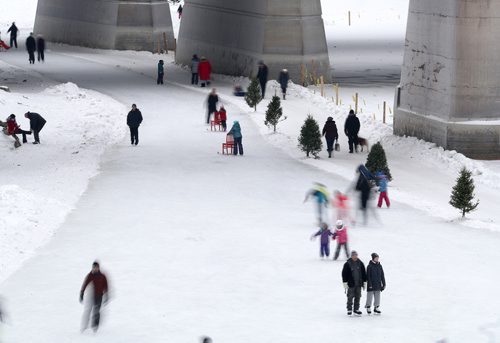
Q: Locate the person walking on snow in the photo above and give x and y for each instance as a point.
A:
(161, 73)
(179, 11)
(31, 47)
(212, 101)
(223, 118)
(13, 34)
(340, 235)
(195, 63)
(98, 298)
(331, 135)
(324, 246)
(37, 122)
(238, 138)
(354, 279)
(351, 129)
(320, 194)
(134, 120)
(262, 75)
(376, 284)
(283, 79)
(40, 48)
(205, 71)
(382, 188)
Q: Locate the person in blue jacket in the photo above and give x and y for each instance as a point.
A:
(320, 194)
(325, 233)
(238, 138)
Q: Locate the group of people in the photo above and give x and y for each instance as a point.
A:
(351, 129)
(263, 75)
(201, 71)
(13, 129)
(35, 45)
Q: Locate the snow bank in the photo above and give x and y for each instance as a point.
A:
(40, 184)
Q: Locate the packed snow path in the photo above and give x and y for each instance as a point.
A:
(197, 243)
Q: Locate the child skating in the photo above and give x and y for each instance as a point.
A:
(325, 233)
(340, 235)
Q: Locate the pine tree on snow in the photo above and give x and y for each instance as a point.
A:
(462, 196)
(274, 112)
(377, 161)
(254, 95)
(310, 137)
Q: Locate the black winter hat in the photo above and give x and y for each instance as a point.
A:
(374, 255)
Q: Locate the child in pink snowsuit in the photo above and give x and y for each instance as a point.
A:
(340, 235)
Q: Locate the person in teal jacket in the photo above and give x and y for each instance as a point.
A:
(236, 133)
(161, 73)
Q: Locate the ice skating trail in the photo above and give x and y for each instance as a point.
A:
(196, 243)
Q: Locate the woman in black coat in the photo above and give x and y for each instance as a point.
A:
(331, 134)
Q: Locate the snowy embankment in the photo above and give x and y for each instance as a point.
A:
(40, 184)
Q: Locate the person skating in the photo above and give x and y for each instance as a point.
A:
(340, 201)
(320, 194)
(340, 235)
(238, 138)
(195, 64)
(161, 73)
(212, 101)
(31, 48)
(13, 34)
(331, 135)
(382, 188)
(364, 187)
(262, 75)
(98, 298)
(134, 120)
(354, 279)
(37, 122)
(375, 283)
(40, 48)
(351, 129)
(223, 118)
(205, 72)
(283, 79)
(324, 246)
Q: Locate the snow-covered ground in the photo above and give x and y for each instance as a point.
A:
(200, 243)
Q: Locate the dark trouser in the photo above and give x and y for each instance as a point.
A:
(41, 55)
(324, 250)
(31, 56)
(339, 247)
(92, 313)
(263, 88)
(159, 81)
(194, 78)
(238, 146)
(223, 123)
(209, 114)
(353, 142)
(365, 196)
(22, 132)
(353, 293)
(134, 135)
(13, 41)
(283, 90)
(36, 132)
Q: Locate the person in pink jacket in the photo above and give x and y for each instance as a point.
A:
(340, 235)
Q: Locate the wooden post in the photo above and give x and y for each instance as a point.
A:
(165, 42)
(322, 80)
(349, 17)
(385, 105)
(356, 103)
(337, 94)
(159, 45)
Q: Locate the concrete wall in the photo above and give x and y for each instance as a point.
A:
(235, 35)
(119, 24)
(451, 74)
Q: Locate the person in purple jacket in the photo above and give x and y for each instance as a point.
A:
(325, 233)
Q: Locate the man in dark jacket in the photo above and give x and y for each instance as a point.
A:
(100, 293)
(351, 129)
(40, 48)
(262, 75)
(331, 135)
(212, 101)
(354, 279)
(31, 47)
(376, 283)
(13, 35)
(37, 122)
(283, 80)
(134, 120)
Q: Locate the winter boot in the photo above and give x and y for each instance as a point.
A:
(329, 154)
(358, 312)
(349, 313)
(368, 310)
(377, 311)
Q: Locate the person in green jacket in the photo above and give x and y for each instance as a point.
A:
(161, 73)
(236, 133)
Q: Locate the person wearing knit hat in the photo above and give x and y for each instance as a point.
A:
(376, 284)
(354, 279)
(340, 235)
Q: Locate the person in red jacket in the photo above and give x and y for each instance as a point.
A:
(205, 71)
(100, 291)
(13, 129)
(223, 117)
(340, 235)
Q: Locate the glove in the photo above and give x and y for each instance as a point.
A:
(364, 286)
(382, 289)
(81, 297)
(346, 286)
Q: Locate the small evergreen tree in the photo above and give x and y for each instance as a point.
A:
(377, 161)
(274, 112)
(254, 95)
(462, 196)
(310, 137)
